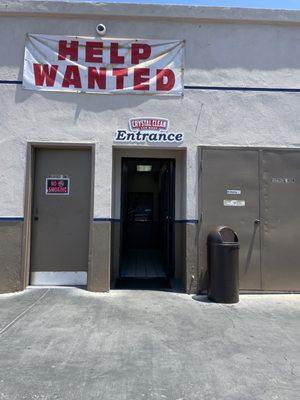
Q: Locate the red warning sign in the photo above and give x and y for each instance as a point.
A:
(58, 186)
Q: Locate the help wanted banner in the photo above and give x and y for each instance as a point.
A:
(100, 65)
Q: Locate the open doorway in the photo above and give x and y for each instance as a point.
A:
(147, 221)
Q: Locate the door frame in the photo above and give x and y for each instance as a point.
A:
(122, 194)
(29, 195)
(201, 281)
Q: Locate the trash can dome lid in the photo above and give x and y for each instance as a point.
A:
(222, 234)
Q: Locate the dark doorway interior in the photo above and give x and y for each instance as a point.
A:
(147, 222)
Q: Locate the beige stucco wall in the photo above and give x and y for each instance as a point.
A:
(222, 49)
(225, 48)
(11, 274)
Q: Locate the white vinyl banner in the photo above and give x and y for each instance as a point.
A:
(100, 65)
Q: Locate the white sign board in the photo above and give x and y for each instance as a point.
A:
(146, 129)
(234, 203)
(283, 180)
(234, 191)
(102, 65)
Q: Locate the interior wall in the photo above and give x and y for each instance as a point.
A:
(144, 183)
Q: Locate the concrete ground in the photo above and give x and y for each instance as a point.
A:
(137, 345)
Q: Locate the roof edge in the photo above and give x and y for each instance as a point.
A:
(158, 11)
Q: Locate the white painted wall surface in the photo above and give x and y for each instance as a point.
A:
(221, 52)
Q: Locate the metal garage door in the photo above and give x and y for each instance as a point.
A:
(281, 220)
(230, 196)
(257, 193)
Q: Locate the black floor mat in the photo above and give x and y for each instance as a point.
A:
(143, 284)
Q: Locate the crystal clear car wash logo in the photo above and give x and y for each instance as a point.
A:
(153, 130)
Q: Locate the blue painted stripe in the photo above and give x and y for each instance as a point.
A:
(201, 87)
(186, 221)
(243, 89)
(7, 82)
(101, 219)
(106, 219)
(177, 221)
(12, 219)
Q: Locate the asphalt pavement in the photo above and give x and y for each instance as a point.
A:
(70, 344)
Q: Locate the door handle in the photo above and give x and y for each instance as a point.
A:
(35, 214)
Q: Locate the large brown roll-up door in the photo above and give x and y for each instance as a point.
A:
(257, 193)
(281, 220)
(230, 196)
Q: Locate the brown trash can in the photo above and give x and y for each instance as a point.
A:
(223, 265)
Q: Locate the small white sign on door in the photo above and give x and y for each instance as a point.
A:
(234, 203)
(233, 191)
(283, 180)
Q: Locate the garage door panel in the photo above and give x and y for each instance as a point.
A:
(281, 220)
(230, 196)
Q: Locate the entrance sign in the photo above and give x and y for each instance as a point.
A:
(153, 130)
(58, 186)
(99, 65)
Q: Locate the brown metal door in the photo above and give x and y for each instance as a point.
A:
(230, 196)
(281, 220)
(60, 228)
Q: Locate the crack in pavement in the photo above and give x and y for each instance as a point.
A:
(3, 330)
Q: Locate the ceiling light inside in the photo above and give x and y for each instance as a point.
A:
(144, 168)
